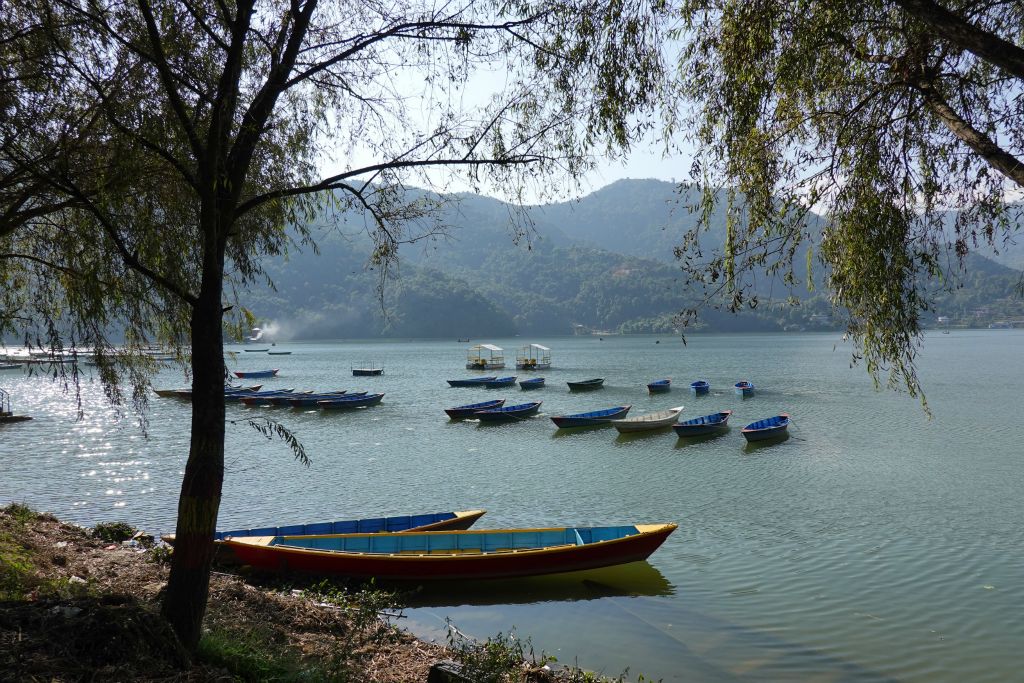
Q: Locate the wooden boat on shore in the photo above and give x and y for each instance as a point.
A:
(462, 412)
(500, 383)
(256, 374)
(445, 555)
(700, 387)
(533, 357)
(594, 417)
(471, 382)
(459, 520)
(744, 388)
(586, 384)
(509, 413)
(532, 383)
(642, 423)
(659, 386)
(706, 424)
(768, 428)
(345, 402)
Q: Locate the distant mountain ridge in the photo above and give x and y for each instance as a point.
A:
(604, 262)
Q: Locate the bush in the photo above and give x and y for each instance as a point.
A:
(115, 532)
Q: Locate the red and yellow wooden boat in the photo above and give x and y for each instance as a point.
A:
(443, 555)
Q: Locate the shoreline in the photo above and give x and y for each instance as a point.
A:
(78, 602)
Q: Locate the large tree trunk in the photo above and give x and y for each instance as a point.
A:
(188, 587)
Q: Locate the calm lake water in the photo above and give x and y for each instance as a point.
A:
(873, 544)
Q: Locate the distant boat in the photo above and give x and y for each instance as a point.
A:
(533, 357)
(659, 386)
(460, 412)
(350, 401)
(594, 417)
(370, 371)
(508, 414)
(586, 384)
(485, 357)
(239, 395)
(533, 383)
(744, 388)
(700, 387)
(279, 353)
(269, 397)
(256, 374)
(500, 383)
(472, 381)
(229, 391)
(641, 423)
(699, 426)
(446, 555)
(255, 350)
(767, 428)
(313, 400)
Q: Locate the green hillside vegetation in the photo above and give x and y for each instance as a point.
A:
(585, 263)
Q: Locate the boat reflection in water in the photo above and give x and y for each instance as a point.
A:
(626, 580)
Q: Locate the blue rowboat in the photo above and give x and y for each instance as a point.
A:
(586, 384)
(700, 387)
(312, 400)
(508, 414)
(446, 555)
(266, 398)
(434, 521)
(534, 383)
(350, 401)
(767, 428)
(460, 412)
(501, 383)
(253, 374)
(283, 399)
(239, 395)
(594, 417)
(659, 386)
(471, 382)
(708, 424)
(744, 388)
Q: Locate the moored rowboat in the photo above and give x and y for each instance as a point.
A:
(586, 384)
(700, 387)
(472, 382)
(659, 386)
(594, 417)
(641, 423)
(459, 412)
(768, 428)
(744, 388)
(706, 424)
(254, 374)
(442, 555)
(508, 413)
(434, 521)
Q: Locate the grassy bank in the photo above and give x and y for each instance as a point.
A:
(81, 603)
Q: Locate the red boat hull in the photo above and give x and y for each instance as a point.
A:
(498, 565)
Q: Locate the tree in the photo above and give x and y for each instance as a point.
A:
(882, 114)
(208, 123)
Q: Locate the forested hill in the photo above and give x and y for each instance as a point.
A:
(604, 262)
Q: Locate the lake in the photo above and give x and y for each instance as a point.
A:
(873, 544)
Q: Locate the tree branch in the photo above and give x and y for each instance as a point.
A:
(963, 33)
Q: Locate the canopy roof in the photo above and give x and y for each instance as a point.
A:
(538, 346)
(489, 347)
